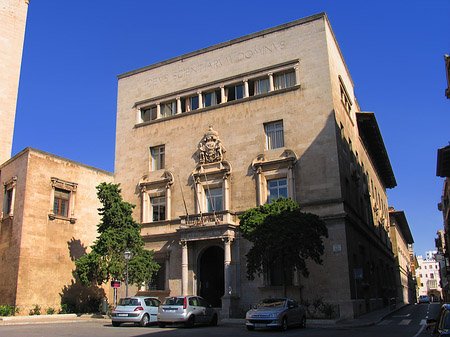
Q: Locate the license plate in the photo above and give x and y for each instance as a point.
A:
(170, 309)
(122, 315)
(260, 325)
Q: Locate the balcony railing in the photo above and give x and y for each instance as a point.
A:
(208, 219)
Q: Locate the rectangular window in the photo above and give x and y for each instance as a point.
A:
(193, 103)
(158, 155)
(61, 202)
(158, 281)
(148, 114)
(168, 109)
(274, 135)
(276, 276)
(235, 92)
(158, 205)
(345, 98)
(214, 199)
(7, 203)
(276, 188)
(284, 80)
(262, 86)
(211, 98)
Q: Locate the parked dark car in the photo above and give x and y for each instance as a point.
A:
(276, 313)
(441, 325)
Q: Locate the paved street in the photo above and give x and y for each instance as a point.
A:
(407, 322)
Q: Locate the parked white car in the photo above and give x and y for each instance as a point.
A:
(137, 309)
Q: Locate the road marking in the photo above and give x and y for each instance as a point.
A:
(405, 322)
(423, 322)
(401, 316)
(385, 322)
(420, 331)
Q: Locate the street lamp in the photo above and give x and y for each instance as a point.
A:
(127, 255)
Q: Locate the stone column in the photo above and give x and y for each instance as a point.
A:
(168, 201)
(246, 91)
(158, 110)
(258, 187)
(271, 86)
(297, 74)
(223, 97)
(138, 116)
(178, 105)
(184, 268)
(291, 182)
(145, 206)
(199, 195)
(200, 99)
(226, 299)
(226, 192)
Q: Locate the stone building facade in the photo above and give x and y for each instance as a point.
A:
(205, 136)
(13, 15)
(49, 217)
(402, 241)
(428, 278)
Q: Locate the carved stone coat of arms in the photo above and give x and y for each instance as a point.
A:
(211, 149)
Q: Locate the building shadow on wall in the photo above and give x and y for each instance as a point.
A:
(76, 298)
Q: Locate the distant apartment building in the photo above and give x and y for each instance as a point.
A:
(428, 277)
(402, 243)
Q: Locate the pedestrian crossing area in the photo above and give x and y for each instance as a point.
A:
(405, 321)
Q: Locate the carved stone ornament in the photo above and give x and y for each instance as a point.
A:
(210, 148)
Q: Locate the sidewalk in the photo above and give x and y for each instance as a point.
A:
(371, 318)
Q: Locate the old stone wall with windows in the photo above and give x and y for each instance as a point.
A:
(52, 222)
(220, 130)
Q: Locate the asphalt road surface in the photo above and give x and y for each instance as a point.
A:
(407, 322)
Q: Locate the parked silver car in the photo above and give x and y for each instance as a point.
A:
(137, 309)
(188, 310)
(276, 313)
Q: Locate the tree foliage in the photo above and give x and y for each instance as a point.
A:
(118, 231)
(283, 236)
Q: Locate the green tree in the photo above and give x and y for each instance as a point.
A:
(282, 237)
(118, 231)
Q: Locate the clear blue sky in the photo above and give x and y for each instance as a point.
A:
(394, 50)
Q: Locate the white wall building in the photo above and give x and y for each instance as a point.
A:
(428, 277)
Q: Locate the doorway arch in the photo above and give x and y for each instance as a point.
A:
(211, 282)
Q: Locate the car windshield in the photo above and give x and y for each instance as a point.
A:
(129, 301)
(272, 303)
(174, 301)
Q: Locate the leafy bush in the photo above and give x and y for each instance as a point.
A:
(36, 310)
(8, 310)
(50, 311)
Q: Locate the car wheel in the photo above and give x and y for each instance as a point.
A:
(250, 328)
(303, 322)
(213, 321)
(284, 324)
(190, 322)
(161, 325)
(144, 320)
(116, 323)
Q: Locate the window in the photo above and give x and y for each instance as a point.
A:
(211, 98)
(158, 208)
(193, 103)
(157, 153)
(235, 92)
(214, 200)
(61, 202)
(275, 276)
(159, 279)
(345, 98)
(7, 203)
(276, 188)
(262, 86)
(284, 80)
(274, 135)
(148, 114)
(168, 109)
